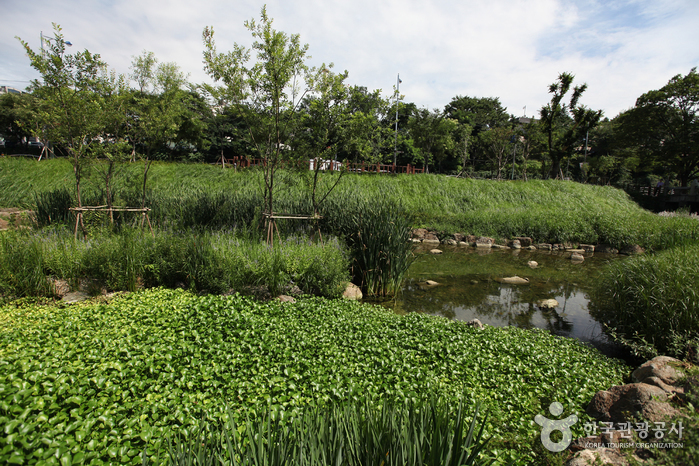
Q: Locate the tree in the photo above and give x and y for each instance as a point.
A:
(265, 92)
(665, 126)
(432, 134)
(499, 143)
(564, 124)
(18, 119)
(73, 95)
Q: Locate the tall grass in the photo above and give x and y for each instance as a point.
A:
(189, 195)
(651, 302)
(215, 262)
(432, 433)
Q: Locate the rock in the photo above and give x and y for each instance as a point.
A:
(499, 246)
(621, 402)
(484, 242)
(60, 287)
(516, 244)
(544, 246)
(352, 292)
(599, 456)
(660, 368)
(576, 250)
(524, 241)
(286, 299)
(458, 237)
(75, 297)
(431, 283)
(587, 248)
(451, 242)
(633, 250)
(533, 264)
(435, 251)
(463, 243)
(430, 241)
(419, 233)
(416, 240)
(475, 323)
(606, 248)
(547, 303)
(531, 247)
(576, 257)
(514, 280)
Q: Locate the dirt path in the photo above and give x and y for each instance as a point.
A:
(13, 216)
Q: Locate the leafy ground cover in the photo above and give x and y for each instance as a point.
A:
(184, 195)
(103, 381)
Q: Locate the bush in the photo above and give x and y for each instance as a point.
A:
(651, 302)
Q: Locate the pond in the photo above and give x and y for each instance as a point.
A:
(469, 287)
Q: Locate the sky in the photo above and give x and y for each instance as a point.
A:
(509, 49)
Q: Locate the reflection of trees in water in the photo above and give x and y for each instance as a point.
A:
(491, 301)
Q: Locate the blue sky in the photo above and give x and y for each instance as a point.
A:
(511, 49)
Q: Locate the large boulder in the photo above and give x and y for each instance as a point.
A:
(622, 402)
(660, 368)
(352, 292)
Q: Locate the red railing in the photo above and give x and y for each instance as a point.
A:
(327, 165)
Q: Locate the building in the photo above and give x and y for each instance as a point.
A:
(9, 90)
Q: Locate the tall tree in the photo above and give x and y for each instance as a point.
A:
(433, 135)
(564, 124)
(266, 92)
(664, 124)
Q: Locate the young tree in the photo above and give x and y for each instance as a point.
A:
(266, 92)
(72, 99)
(433, 134)
(564, 124)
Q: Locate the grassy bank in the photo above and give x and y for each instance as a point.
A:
(651, 303)
(106, 380)
(185, 195)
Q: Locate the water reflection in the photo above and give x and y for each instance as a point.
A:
(469, 288)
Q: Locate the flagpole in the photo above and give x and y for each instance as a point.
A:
(395, 145)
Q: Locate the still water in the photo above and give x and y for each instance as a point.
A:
(469, 287)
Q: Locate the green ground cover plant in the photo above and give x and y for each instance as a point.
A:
(102, 381)
(650, 303)
(215, 262)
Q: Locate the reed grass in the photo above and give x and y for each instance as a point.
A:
(651, 302)
(190, 195)
(215, 262)
(433, 433)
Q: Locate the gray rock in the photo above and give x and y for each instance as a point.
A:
(286, 299)
(514, 280)
(587, 247)
(544, 246)
(431, 283)
(484, 242)
(524, 241)
(463, 243)
(576, 257)
(547, 303)
(435, 251)
(533, 264)
(516, 244)
(75, 297)
(352, 292)
(599, 456)
(451, 242)
(475, 323)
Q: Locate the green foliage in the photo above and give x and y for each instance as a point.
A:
(53, 207)
(106, 381)
(414, 433)
(651, 302)
(126, 260)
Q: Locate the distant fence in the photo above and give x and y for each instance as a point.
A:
(325, 165)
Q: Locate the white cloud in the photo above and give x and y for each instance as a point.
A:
(496, 48)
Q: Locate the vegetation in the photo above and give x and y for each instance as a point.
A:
(184, 195)
(650, 302)
(411, 433)
(104, 381)
(205, 262)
